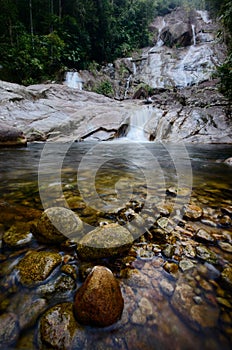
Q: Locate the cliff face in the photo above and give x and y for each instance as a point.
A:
(184, 102)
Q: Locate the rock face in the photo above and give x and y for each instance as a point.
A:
(57, 225)
(176, 74)
(99, 302)
(105, 242)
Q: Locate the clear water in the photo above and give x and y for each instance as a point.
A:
(104, 176)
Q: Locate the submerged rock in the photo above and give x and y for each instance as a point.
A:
(58, 329)
(203, 315)
(226, 277)
(9, 330)
(99, 302)
(35, 267)
(17, 236)
(56, 225)
(106, 241)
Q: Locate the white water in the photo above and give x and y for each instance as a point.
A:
(205, 16)
(159, 40)
(138, 122)
(194, 34)
(73, 80)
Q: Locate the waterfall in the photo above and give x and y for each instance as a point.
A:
(194, 34)
(73, 80)
(159, 40)
(138, 122)
(127, 85)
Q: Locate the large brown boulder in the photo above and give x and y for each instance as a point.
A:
(99, 302)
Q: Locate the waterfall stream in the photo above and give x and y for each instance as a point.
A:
(73, 80)
(138, 123)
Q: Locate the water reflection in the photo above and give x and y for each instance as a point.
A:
(167, 286)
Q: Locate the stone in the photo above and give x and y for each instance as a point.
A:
(186, 264)
(184, 303)
(17, 236)
(59, 330)
(56, 225)
(9, 330)
(226, 277)
(35, 266)
(10, 136)
(206, 254)
(204, 236)
(104, 242)
(166, 287)
(228, 161)
(193, 212)
(99, 302)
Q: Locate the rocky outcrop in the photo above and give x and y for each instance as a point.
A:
(10, 136)
(175, 74)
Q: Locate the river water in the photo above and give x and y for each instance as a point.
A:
(96, 180)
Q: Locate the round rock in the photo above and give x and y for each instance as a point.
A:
(56, 225)
(99, 302)
(106, 241)
(35, 267)
(58, 329)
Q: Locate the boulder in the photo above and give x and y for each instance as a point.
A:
(56, 225)
(105, 242)
(59, 330)
(99, 302)
(35, 267)
(9, 330)
(10, 136)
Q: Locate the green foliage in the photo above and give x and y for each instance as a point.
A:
(104, 88)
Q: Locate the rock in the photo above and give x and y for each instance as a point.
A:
(9, 330)
(166, 287)
(10, 136)
(56, 225)
(193, 212)
(98, 302)
(204, 236)
(228, 161)
(203, 315)
(227, 247)
(186, 264)
(59, 330)
(226, 277)
(58, 289)
(35, 267)
(17, 236)
(106, 241)
(206, 254)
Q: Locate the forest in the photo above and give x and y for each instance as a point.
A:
(39, 38)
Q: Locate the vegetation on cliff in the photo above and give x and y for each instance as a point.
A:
(39, 39)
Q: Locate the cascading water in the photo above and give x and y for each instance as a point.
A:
(194, 34)
(138, 122)
(73, 80)
(159, 40)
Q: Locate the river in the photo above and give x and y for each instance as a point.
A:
(96, 180)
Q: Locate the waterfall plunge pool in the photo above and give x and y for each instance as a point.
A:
(173, 293)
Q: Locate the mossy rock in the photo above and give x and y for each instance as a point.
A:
(57, 225)
(35, 267)
(105, 242)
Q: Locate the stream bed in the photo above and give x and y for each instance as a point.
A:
(176, 280)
